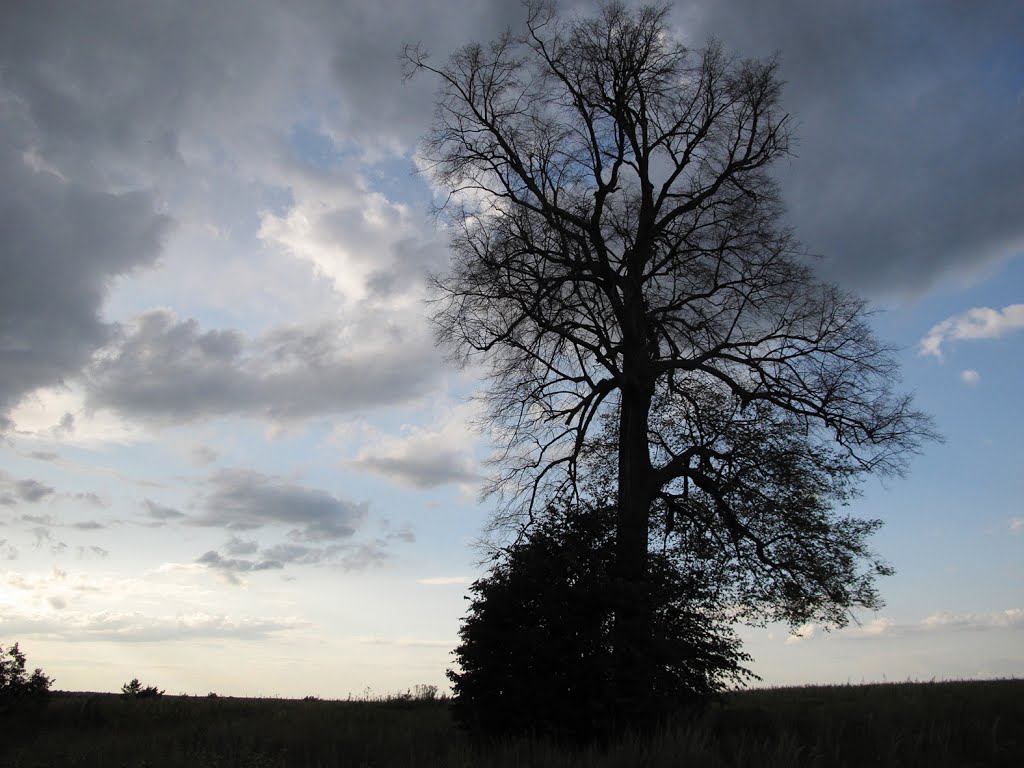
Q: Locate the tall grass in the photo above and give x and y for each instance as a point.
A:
(909, 724)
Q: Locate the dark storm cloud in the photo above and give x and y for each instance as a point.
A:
(242, 500)
(910, 119)
(61, 244)
(164, 370)
(366, 37)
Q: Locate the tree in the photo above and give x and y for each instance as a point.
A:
(18, 688)
(621, 270)
(135, 690)
(535, 656)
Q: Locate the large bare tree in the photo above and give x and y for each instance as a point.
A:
(620, 267)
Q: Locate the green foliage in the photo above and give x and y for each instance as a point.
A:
(20, 691)
(135, 690)
(536, 650)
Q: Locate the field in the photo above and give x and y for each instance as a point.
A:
(908, 724)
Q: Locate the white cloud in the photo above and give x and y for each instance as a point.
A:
(1017, 525)
(977, 323)
(802, 633)
(425, 457)
(139, 627)
(970, 376)
(1011, 618)
(442, 580)
(405, 642)
(877, 626)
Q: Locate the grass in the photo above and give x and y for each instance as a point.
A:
(908, 724)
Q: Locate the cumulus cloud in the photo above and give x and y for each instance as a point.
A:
(230, 567)
(424, 457)
(977, 323)
(14, 491)
(165, 370)
(877, 626)
(161, 512)
(244, 500)
(60, 247)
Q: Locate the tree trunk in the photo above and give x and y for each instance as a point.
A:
(632, 633)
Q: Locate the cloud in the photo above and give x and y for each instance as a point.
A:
(14, 491)
(89, 525)
(801, 634)
(443, 580)
(909, 132)
(424, 457)
(405, 642)
(1017, 525)
(165, 371)
(137, 627)
(93, 551)
(237, 546)
(61, 245)
(1011, 618)
(229, 568)
(244, 500)
(161, 512)
(977, 323)
(877, 626)
(970, 376)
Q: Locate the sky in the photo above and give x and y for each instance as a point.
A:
(233, 460)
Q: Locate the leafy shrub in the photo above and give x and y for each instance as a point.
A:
(135, 690)
(536, 654)
(20, 690)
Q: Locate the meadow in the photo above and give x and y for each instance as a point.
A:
(977, 723)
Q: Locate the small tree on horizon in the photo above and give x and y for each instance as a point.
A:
(20, 689)
(135, 690)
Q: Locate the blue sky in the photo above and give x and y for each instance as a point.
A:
(231, 457)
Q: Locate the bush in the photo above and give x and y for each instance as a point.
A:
(134, 690)
(20, 690)
(536, 651)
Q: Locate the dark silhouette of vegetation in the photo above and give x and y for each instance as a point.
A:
(621, 270)
(938, 725)
(536, 651)
(135, 690)
(21, 692)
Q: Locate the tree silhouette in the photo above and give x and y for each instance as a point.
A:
(536, 651)
(621, 270)
(21, 692)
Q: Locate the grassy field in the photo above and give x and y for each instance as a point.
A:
(908, 724)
